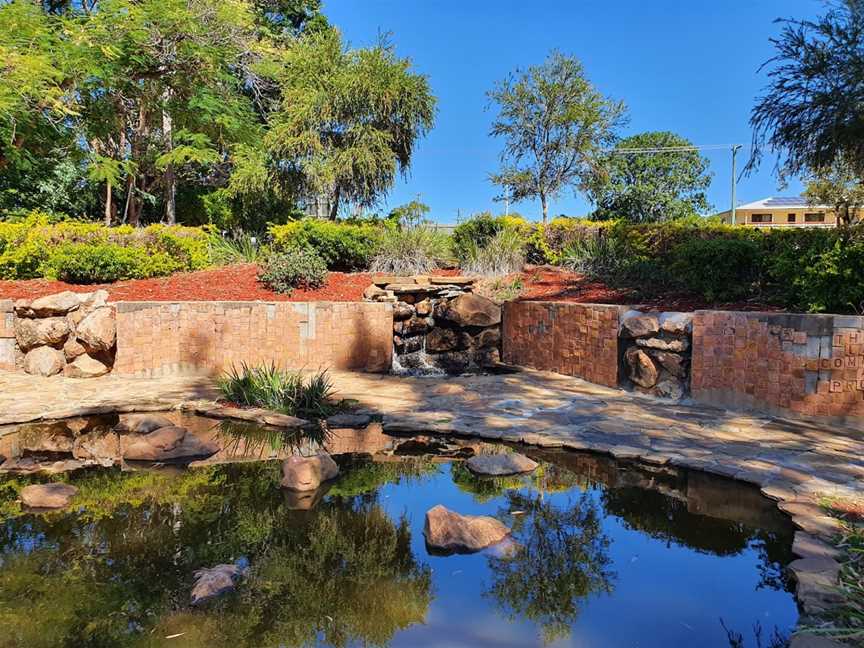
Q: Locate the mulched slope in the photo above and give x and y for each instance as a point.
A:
(239, 283)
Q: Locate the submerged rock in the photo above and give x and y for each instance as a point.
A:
(215, 581)
(447, 531)
(48, 496)
(509, 463)
(307, 473)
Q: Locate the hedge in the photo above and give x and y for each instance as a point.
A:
(85, 252)
(344, 245)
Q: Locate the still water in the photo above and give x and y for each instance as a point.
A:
(606, 554)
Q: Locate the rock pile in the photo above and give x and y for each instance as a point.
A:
(656, 349)
(439, 322)
(72, 333)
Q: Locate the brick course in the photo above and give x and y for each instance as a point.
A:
(573, 339)
(802, 365)
(159, 338)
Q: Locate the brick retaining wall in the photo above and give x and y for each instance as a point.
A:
(7, 335)
(573, 339)
(805, 365)
(156, 338)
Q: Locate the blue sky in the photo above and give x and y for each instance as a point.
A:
(689, 67)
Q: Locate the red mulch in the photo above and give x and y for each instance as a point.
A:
(227, 283)
(240, 283)
(553, 284)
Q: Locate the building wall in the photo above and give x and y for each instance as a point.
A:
(158, 338)
(783, 364)
(780, 216)
(574, 339)
(7, 336)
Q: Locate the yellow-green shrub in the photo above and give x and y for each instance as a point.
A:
(344, 245)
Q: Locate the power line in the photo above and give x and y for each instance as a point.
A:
(674, 149)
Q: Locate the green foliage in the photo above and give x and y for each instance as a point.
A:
(237, 247)
(839, 185)
(81, 252)
(344, 245)
(476, 232)
(291, 392)
(503, 254)
(554, 124)
(410, 245)
(294, 268)
(719, 269)
(651, 187)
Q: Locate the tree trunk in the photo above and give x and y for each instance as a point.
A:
(170, 178)
(545, 207)
(334, 204)
(108, 203)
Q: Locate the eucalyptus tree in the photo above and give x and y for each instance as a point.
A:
(648, 185)
(841, 187)
(555, 125)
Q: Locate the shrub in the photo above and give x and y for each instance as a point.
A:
(833, 282)
(479, 230)
(503, 253)
(717, 268)
(284, 391)
(294, 268)
(237, 247)
(343, 245)
(410, 249)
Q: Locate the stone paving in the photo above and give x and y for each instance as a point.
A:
(794, 462)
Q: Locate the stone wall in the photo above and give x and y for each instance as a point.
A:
(161, 338)
(783, 364)
(574, 339)
(655, 353)
(8, 349)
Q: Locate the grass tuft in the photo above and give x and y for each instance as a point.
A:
(290, 392)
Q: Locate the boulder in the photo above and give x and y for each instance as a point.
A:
(671, 362)
(215, 581)
(307, 473)
(73, 349)
(402, 311)
(676, 323)
(98, 331)
(31, 333)
(473, 310)
(489, 338)
(93, 301)
(635, 324)
(423, 308)
(416, 326)
(165, 444)
(817, 584)
(58, 304)
(447, 531)
(44, 361)
(641, 369)
(440, 340)
(142, 423)
(373, 292)
(508, 463)
(48, 496)
(103, 448)
(85, 367)
(669, 387)
(675, 346)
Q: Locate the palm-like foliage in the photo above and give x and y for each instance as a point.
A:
(291, 392)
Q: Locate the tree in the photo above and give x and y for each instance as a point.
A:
(555, 125)
(839, 186)
(651, 187)
(348, 120)
(810, 114)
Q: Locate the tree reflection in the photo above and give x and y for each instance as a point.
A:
(119, 571)
(560, 557)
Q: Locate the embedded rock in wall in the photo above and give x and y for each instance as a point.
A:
(72, 333)
(655, 352)
(438, 323)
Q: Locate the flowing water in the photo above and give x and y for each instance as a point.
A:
(603, 554)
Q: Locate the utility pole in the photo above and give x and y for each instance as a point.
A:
(507, 201)
(735, 148)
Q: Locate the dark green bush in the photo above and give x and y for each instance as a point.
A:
(290, 392)
(344, 245)
(719, 269)
(293, 268)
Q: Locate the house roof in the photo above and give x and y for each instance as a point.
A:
(780, 202)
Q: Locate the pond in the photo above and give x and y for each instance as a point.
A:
(603, 553)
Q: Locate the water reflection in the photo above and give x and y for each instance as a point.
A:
(346, 565)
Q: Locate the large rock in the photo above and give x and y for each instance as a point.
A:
(488, 339)
(671, 362)
(85, 367)
(641, 368)
(676, 323)
(48, 496)
(447, 531)
(101, 447)
(817, 584)
(89, 303)
(669, 387)
(402, 311)
(307, 473)
(58, 304)
(142, 423)
(98, 331)
(73, 349)
(443, 339)
(44, 361)
(635, 324)
(31, 333)
(165, 444)
(508, 463)
(215, 581)
(675, 346)
(472, 310)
